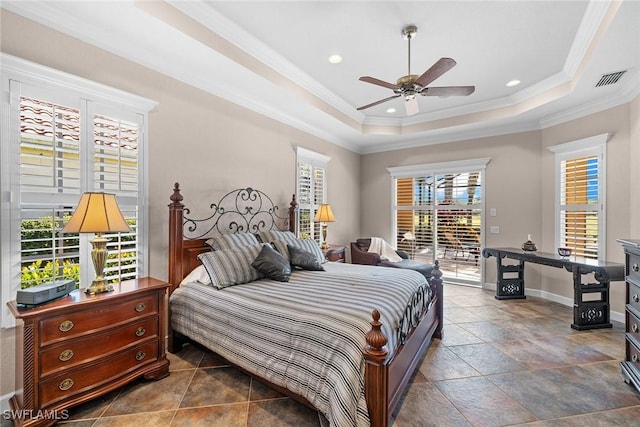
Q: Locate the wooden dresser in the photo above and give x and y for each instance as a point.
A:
(74, 349)
(630, 367)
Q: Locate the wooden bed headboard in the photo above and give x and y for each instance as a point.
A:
(244, 210)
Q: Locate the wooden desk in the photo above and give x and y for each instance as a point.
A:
(591, 314)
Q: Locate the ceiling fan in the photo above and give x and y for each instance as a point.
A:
(411, 85)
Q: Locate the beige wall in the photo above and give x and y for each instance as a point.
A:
(519, 183)
(615, 121)
(634, 170)
(209, 145)
(512, 186)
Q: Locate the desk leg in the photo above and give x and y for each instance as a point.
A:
(592, 314)
(511, 286)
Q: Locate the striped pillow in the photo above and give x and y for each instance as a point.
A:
(269, 236)
(307, 245)
(232, 241)
(228, 267)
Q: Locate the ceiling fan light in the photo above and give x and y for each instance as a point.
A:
(411, 106)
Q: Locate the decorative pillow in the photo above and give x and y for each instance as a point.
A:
(228, 267)
(272, 264)
(199, 274)
(269, 236)
(232, 241)
(307, 245)
(303, 259)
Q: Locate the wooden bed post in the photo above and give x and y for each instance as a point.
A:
(176, 273)
(376, 374)
(293, 208)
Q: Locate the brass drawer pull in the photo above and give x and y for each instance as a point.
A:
(140, 355)
(66, 326)
(66, 384)
(635, 298)
(140, 307)
(634, 358)
(634, 267)
(66, 355)
(140, 331)
(634, 328)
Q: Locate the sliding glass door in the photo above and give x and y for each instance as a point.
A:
(438, 214)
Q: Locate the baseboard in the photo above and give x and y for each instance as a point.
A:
(4, 402)
(613, 315)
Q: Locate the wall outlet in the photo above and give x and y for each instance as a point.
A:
(494, 229)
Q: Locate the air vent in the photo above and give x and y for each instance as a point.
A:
(610, 78)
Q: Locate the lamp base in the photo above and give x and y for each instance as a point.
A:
(99, 256)
(98, 287)
(324, 244)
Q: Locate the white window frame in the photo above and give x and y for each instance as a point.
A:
(591, 146)
(314, 159)
(17, 72)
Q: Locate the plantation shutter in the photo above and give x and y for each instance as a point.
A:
(50, 186)
(580, 196)
(311, 191)
(115, 170)
(579, 205)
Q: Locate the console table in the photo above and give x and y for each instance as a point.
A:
(591, 314)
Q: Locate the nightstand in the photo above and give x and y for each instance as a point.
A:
(79, 347)
(334, 253)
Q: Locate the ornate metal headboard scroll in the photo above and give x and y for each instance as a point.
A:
(244, 210)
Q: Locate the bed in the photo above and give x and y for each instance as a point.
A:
(344, 340)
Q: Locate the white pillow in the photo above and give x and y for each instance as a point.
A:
(199, 274)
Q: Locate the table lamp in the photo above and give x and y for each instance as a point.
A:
(324, 215)
(97, 213)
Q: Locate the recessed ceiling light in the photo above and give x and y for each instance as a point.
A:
(335, 59)
(513, 83)
(391, 110)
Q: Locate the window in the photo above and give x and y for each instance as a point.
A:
(438, 211)
(580, 184)
(63, 136)
(311, 190)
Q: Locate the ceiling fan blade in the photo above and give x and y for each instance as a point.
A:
(448, 91)
(378, 82)
(411, 105)
(378, 102)
(441, 66)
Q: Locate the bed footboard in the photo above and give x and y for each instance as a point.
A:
(386, 380)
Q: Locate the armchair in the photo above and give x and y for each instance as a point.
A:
(360, 255)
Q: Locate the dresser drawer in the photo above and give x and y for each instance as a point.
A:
(84, 349)
(632, 323)
(633, 266)
(633, 352)
(82, 380)
(633, 297)
(80, 322)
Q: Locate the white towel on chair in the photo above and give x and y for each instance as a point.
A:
(384, 249)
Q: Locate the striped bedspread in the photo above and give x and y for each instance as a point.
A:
(306, 334)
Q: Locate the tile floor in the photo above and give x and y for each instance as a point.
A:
(501, 363)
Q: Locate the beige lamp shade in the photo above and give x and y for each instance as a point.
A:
(97, 213)
(324, 214)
